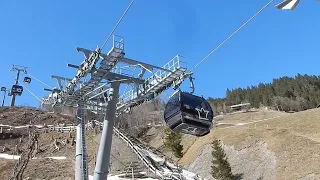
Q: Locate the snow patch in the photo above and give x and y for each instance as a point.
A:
(116, 177)
(16, 157)
(7, 156)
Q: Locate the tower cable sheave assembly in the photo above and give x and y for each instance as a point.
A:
(96, 86)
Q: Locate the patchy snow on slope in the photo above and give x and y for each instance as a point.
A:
(186, 174)
(16, 157)
(151, 155)
(7, 156)
(2, 125)
(116, 177)
(57, 158)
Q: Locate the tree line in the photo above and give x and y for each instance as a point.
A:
(297, 93)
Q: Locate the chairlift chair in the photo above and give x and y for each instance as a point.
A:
(3, 89)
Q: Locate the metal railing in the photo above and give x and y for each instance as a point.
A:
(134, 149)
(172, 66)
(118, 42)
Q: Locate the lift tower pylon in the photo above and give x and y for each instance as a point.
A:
(16, 82)
(97, 85)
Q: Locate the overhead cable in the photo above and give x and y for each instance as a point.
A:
(229, 37)
(35, 96)
(40, 81)
(125, 12)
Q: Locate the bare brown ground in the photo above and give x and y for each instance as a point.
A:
(249, 116)
(293, 138)
(42, 167)
(18, 116)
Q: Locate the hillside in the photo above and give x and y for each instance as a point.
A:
(296, 93)
(263, 144)
(17, 116)
(155, 135)
(285, 146)
(42, 167)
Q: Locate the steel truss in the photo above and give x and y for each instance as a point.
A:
(97, 85)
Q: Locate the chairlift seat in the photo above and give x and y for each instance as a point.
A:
(3, 88)
(189, 114)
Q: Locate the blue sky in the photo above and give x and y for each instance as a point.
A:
(43, 35)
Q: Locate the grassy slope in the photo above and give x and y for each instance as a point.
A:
(294, 138)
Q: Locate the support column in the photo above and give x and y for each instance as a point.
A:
(13, 95)
(103, 158)
(4, 97)
(78, 165)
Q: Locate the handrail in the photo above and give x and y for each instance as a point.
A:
(135, 147)
(135, 150)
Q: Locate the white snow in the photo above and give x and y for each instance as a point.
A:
(57, 158)
(39, 126)
(19, 127)
(16, 157)
(4, 125)
(7, 156)
(116, 177)
(187, 174)
(152, 155)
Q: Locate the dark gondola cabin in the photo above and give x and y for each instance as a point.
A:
(188, 114)
(3, 89)
(17, 90)
(27, 80)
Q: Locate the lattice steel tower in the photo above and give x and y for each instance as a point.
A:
(96, 87)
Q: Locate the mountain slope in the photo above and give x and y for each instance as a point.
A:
(285, 147)
(42, 168)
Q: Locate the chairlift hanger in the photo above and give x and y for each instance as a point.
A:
(188, 113)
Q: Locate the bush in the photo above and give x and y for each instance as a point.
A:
(220, 166)
(172, 141)
(289, 104)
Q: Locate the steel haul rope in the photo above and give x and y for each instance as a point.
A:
(229, 37)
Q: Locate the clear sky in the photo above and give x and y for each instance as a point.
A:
(43, 35)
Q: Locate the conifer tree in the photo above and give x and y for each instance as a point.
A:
(221, 169)
(293, 93)
(172, 141)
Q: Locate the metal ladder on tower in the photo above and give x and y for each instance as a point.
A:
(84, 147)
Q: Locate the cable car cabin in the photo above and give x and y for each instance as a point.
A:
(27, 80)
(3, 89)
(188, 114)
(16, 89)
